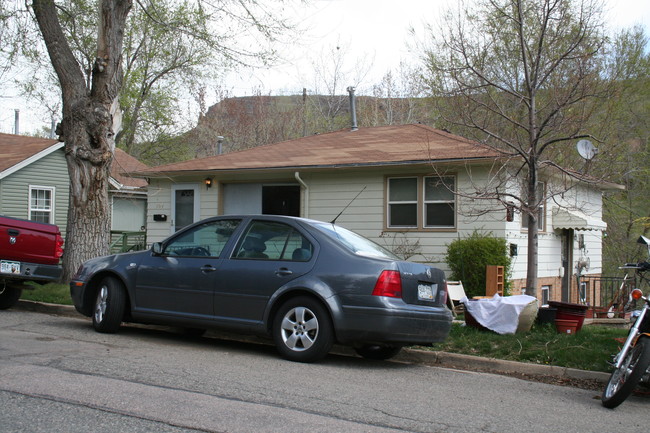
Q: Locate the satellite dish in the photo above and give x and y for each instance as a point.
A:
(586, 149)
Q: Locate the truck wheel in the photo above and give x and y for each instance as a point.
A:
(9, 296)
(109, 305)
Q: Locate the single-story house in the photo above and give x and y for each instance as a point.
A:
(392, 184)
(34, 183)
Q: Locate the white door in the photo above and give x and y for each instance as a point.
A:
(185, 205)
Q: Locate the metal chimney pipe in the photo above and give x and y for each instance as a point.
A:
(353, 108)
(219, 145)
(17, 122)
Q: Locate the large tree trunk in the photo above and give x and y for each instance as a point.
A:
(533, 230)
(91, 118)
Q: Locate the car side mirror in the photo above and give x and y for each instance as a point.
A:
(156, 248)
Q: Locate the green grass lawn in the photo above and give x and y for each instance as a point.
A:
(589, 349)
(51, 293)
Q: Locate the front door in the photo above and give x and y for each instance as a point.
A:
(567, 259)
(185, 205)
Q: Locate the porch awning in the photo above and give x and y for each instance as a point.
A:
(576, 220)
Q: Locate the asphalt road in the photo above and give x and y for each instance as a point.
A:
(58, 375)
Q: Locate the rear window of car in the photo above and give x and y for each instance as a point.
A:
(354, 242)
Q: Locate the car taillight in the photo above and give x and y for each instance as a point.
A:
(58, 249)
(636, 294)
(388, 284)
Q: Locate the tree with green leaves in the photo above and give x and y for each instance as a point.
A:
(627, 212)
(91, 43)
(523, 77)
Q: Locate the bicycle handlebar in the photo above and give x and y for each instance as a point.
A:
(640, 266)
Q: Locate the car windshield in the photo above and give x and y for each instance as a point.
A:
(354, 242)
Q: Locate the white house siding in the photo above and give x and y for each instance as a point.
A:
(585, 200)
(49, 171)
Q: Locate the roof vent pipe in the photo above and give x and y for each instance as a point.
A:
(353, 108)
(219, 145)
(17, 122)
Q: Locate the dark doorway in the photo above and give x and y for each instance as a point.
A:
(567, 260)
(281, 200)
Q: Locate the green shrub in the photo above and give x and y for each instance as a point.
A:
(468, 257)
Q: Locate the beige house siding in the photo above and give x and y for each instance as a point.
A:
(160, 197)
(158, 203)
(50, 171)
(327, 193)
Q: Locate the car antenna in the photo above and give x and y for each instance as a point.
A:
(341, 213)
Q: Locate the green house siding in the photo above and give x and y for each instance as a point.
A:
(51, 171)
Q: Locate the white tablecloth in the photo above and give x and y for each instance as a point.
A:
(500, 313)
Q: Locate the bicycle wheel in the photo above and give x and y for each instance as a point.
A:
(623, 380)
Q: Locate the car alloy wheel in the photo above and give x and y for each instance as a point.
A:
(109, 305)
(302, 330)
(299, 328)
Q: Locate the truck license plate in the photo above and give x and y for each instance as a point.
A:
(7, 267)
(425, 292)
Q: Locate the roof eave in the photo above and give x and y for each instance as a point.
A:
(163, 174)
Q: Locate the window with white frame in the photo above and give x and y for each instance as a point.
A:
(421, 202)
(41, 204)
(546, 295)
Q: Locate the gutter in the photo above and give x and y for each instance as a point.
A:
(184, 172)
(304, 185)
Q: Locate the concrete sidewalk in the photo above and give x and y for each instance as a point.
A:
(545, 373)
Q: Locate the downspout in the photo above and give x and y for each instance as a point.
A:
(304, 185)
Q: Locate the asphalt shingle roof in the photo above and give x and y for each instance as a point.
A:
(125, 163)
(379, 145)
(15, 149)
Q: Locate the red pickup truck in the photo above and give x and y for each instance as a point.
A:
(29, 251)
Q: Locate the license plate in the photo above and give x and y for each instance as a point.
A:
(425, 292)
(7, 267)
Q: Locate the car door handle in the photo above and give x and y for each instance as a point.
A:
(283, 272)
(13, 232)
(208, 268)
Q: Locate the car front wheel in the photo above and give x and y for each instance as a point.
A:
(302, 330)
(109, 305)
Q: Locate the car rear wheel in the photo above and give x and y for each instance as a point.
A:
(109, 305)
(302, 330)
(377, 351)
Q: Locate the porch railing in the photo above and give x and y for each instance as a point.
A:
(123, 241)
(608, 294)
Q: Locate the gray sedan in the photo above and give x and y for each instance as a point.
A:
(306, 283)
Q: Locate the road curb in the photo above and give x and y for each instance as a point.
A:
(407, 355)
